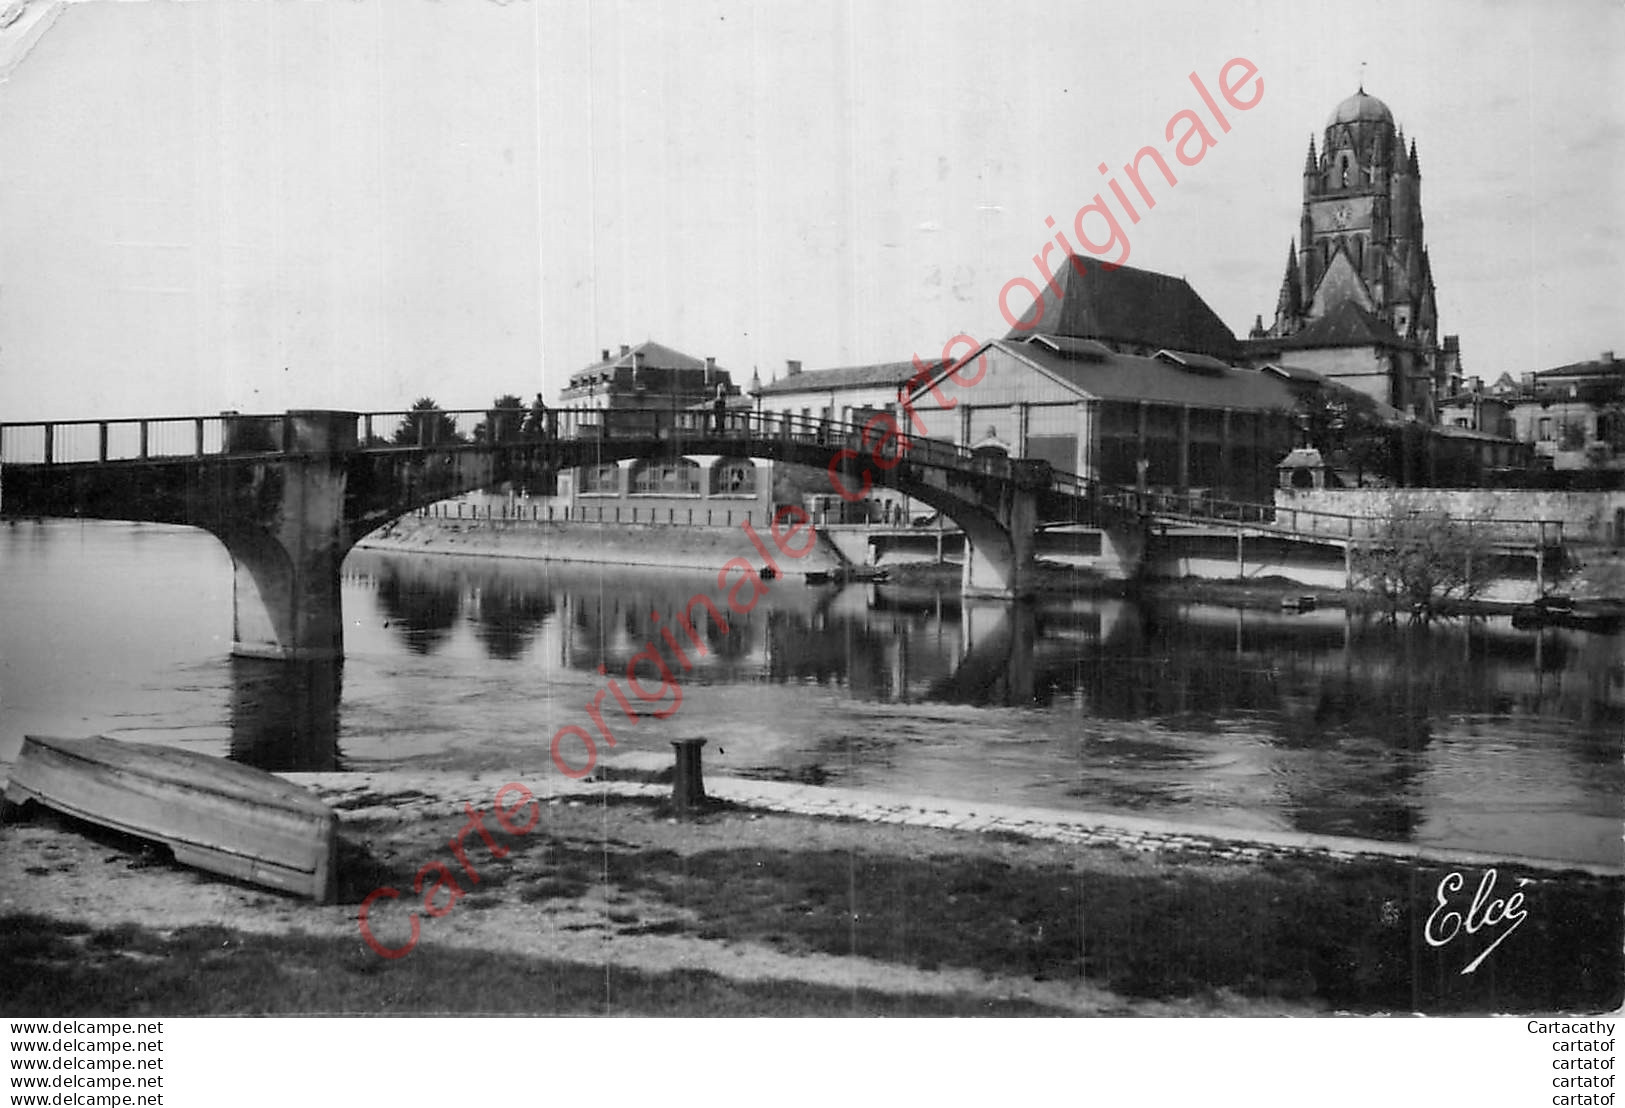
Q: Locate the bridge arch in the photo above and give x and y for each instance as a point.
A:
(289, 515)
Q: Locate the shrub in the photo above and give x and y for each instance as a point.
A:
(1422, 561)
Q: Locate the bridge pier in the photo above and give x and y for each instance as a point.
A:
(287, 550)
(999, 559)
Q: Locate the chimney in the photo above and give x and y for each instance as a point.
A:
(625, 350)
(792, 367)
(1607, 356)
(710, 368)
(605, 354)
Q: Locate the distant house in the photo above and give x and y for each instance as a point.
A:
(653, 383)
(1574, 415)
(647, 376)
(842, 394)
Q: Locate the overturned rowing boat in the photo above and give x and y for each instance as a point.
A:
(214, 814)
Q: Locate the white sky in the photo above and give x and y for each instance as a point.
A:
(354, 203)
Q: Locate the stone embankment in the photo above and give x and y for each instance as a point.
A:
(667, 546)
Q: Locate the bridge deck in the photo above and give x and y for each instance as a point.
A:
(1071, 497)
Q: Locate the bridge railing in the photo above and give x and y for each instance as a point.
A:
(1315, 523)
(239, 434)
(111, 440)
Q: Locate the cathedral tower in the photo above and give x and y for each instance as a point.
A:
(1358, 276)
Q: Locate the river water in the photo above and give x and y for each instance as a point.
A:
(1469, 735)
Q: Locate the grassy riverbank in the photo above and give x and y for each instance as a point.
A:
(616, 908)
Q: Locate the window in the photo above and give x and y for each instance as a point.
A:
(665, 478)
(733, 477)
(1545, 432)
(604, 480)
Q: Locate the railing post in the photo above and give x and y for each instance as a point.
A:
(197, 427)
(101, 441)
(50, 436)
(366, 429)
(143, 439)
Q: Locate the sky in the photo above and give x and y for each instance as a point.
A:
(221, 205)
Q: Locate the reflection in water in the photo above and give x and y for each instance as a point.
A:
(285, 715)
(1331, 723)
(1472, 735)
(420, 603)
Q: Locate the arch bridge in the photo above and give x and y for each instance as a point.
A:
(290, 494)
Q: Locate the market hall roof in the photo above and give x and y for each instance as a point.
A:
(1166, 378)
(1126, 306)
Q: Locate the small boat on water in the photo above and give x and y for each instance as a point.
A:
(213, 814)
(846, 575)
(1605, 616)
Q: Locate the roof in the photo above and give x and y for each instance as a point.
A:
(1306, 381)
(1598, 367)
(1348, 324)
(666, 369)
(1302, 457)
(655, 356)
(1474, 399)
(1361, 106)
(1294, 373)
(1126, 305)
(1195, 362)
(1451, 432)
(1130, 377)
(881, 374)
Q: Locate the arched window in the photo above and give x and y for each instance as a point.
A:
(660, 477)
(1345, 171)
(733, 477)
(604, 480)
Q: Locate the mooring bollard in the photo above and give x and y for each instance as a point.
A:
(688, 786)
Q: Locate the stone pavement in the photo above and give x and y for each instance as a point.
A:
(391, 794)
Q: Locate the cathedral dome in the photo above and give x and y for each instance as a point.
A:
(1361, 108)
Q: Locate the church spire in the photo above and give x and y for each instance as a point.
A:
(1309, 163)
(1289, 304)
(1416, 168)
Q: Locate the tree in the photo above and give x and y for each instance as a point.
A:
(1423, 561)
(1346, 427)
(426, 425)
(502, 421)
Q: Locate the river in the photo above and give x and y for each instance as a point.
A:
(1468, 735)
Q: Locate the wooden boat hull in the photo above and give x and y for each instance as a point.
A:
(213, 814)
